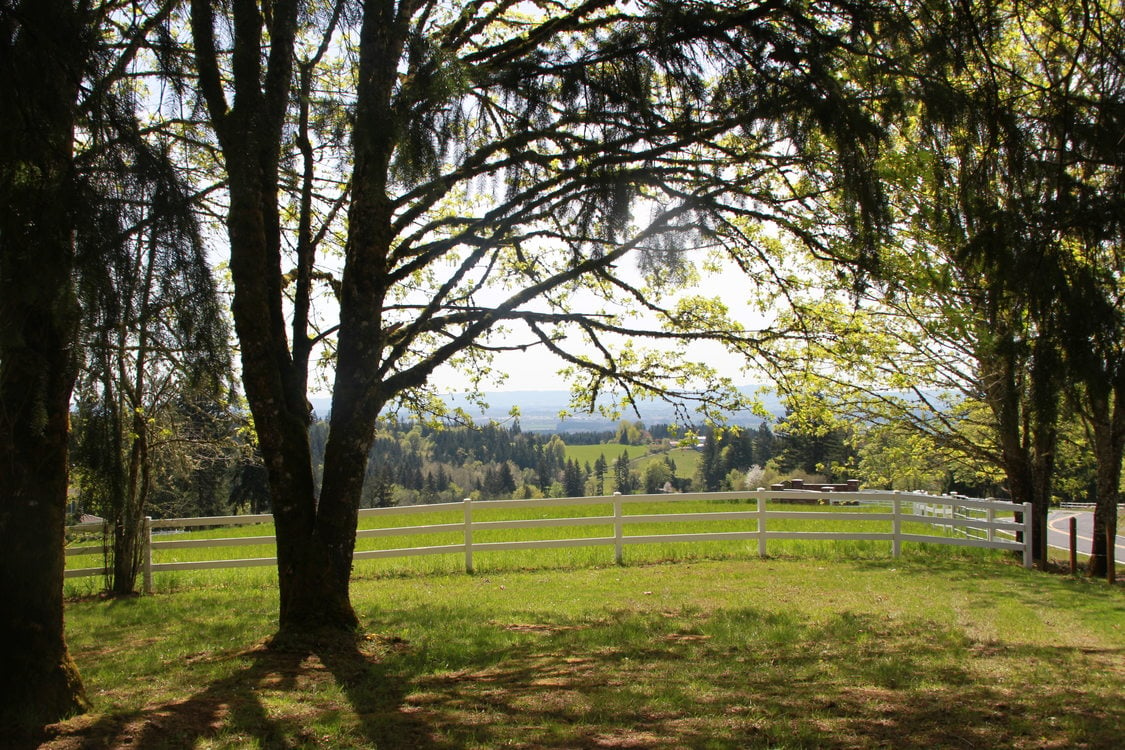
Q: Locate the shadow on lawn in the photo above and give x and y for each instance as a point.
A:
(235, 709)
(752, 679)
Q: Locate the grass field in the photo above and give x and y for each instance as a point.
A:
(584, 454)
(687, 460)
(931, 650)
(558, 558)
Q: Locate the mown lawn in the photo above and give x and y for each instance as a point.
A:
(928, 651)
(584, 454)
(597, 550)
(686, 459)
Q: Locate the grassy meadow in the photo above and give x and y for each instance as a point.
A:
(599, 551)
(940, 648)
(584, 454)
(687, 460)
(688, 645)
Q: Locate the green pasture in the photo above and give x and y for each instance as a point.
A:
(927, 651)
(593, 555)
(584, 454)
(687, 459)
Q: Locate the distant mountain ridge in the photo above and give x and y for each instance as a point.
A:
(539, 410)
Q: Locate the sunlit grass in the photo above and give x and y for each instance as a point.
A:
(922, 651)
(599, 551)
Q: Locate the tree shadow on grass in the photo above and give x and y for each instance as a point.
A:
(237, 709)
(754, 679)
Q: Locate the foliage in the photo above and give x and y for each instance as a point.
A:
(999, 268)
(155, 340)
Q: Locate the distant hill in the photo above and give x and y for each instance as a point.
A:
(539, 411)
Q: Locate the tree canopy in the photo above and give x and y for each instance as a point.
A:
(925, 197)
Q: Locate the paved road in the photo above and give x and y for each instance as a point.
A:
(1059, 531)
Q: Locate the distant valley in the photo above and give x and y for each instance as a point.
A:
(539, 411)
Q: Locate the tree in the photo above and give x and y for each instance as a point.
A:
(657, 474)
(811, 438)
(624, 478)
(155, 339)
(44, 59)
(574, 481)
(1041, 216)
(1006, 210)
(601, 466)
(603, 132)
(70, 91)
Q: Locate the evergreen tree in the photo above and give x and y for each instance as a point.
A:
(600, 468)
(574, 481)
(624, 478)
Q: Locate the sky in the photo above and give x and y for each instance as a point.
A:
(537, 370)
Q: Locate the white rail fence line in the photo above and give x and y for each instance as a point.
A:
(997, 529)
(1088, 506)
(973, 522)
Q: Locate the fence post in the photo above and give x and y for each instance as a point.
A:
(468, 535)
(1027, 549)
(761, 526)
(618, 530)
(991, 517)
(896, 526)
(1073, 545)
(148, 555)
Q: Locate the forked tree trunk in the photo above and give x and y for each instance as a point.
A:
(38, 314)
(315, 535)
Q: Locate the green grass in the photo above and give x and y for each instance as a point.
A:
(584, 454)
(568, 557)
(923, 651)
(687, 460)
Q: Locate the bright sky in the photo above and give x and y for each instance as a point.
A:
(536, 370)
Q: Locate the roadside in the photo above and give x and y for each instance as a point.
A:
(1058, 536)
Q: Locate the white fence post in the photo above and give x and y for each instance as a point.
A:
(148, 555)
(906, 506)
(468, 535)
(896, 526)
(991, 516)
(618, 530)
(761, 526)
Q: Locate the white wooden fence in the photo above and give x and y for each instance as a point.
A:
(997, 529)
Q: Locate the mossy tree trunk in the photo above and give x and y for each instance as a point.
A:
(42, 62)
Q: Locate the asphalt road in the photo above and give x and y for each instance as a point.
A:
(1058, 534)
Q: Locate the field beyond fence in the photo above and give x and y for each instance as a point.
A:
(725, 524)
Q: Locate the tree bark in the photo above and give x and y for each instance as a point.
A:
(1107, 421)
(1025, 407)
(42, 64)
(314, 543)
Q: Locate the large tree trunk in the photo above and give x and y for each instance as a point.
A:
(1107, 420)
(315, 535)
(312, 578)
(312, 595)
(1026, 424)
(38, 314)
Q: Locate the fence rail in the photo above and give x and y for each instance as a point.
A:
(997, 528)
